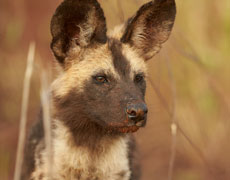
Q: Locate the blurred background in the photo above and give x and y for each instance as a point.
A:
(188, 86)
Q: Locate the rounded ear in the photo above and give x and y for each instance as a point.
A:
(77, 24)
(150, 27)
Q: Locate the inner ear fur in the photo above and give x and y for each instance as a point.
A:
(77, 24)
(150, 27)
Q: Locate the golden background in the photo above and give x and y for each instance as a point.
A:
(189, 84)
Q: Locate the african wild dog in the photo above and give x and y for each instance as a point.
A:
(98, 98)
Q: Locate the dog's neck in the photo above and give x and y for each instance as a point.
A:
(108, 159)
(86, 134)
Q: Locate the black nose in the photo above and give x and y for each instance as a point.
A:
(137, 112)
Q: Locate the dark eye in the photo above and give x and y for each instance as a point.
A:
(138, 78)
(101, 79)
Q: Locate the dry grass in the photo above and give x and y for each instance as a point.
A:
(24, 110)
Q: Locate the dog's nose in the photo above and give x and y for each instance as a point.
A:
(137, 112)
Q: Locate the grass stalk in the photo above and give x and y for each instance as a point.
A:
(24, 110)
(173, 120)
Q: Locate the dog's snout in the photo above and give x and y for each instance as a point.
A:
(137, 112)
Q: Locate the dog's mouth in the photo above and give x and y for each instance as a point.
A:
(130, 129)
(126, 126)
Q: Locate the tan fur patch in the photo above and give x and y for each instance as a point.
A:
(137, 63)
(117, 32)
(82, 70)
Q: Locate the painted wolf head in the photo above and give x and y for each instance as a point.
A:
(102, 85)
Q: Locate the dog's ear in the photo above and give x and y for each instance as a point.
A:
(76, 25)
(150, 27)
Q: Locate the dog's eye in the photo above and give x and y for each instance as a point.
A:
(138, 78)
(101, 79)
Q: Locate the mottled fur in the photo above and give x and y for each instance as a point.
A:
(91, 127)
